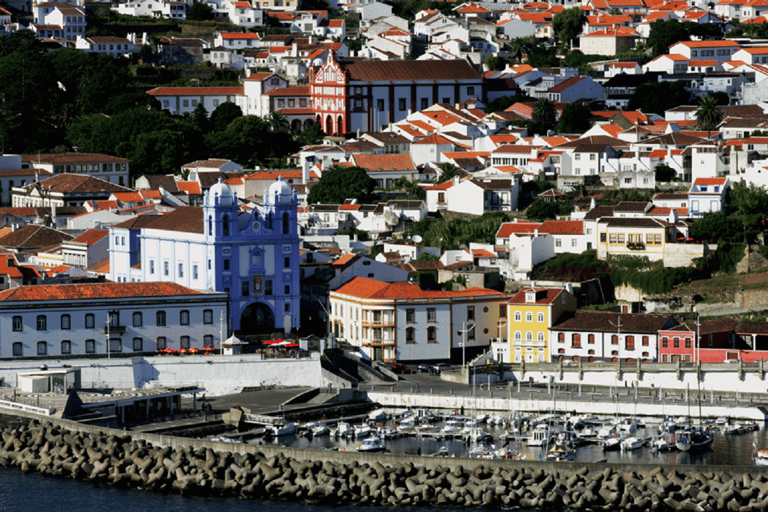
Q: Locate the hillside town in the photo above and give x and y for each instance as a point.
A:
(469, 193)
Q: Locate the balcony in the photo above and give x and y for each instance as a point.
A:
(636, 246)
(387, 322)
(114, 329)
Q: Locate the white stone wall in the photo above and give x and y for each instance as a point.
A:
(217, 374)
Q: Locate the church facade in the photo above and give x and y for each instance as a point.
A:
(253, 257)
(367, 95)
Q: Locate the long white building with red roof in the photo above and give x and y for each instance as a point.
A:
(402, 322)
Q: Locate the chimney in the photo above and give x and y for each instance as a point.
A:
(53, 213)
(305, 172)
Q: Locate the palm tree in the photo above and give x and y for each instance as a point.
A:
(278, 122)
(520, 47)
(544, 115)
(708, 116)
(447, 172)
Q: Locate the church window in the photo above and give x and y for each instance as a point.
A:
(286, 224)
(225, 226)
(210, 224)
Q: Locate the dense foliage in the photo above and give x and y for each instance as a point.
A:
(658, 97)
(450, 234)
(65, 99)
(574, 119)
(567, 24)
(338, 184)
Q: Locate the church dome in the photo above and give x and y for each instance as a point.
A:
(279, 192)
(223, 191)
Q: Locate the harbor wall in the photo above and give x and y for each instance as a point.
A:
(349, 457)
(218, 374)
(588, 403)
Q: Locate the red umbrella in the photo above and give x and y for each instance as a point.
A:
(272, 342)
(194, 350)
(291, 345)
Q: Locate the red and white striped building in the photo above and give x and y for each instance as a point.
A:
(367, 95)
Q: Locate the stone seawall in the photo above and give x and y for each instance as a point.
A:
(203, 467)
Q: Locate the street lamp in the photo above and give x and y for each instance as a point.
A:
(328, 330)
(464, 332)
(109, 355)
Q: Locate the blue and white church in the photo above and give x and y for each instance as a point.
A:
(254, 257)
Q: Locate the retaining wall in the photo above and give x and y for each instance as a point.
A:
(218, 374)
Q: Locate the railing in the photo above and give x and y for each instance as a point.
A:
(636, 246)
(114, 329)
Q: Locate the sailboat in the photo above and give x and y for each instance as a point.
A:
(693, 440)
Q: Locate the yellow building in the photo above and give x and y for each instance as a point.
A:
(530, 314)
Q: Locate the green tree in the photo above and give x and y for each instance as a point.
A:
(223, 115)
(503, 103)
(425, 256)
(413, 188)
(567, 24)
(747, 199)
(521, 46)
(495, 63)
(310, 136)
(542, 57)
(29, 97)
(574, 119)
(664, 173)
(200, 11)
(658, 97)
(664, 34)
(278, 122)
(199, 117)
(544, 116)
(717, 227)
(448, 171)
(541, 210)
(338, 184)
(708, 116)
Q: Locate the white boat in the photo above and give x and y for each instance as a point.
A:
(343, 429)
(372, 444)
(612, 443)
(469, 426)
(721, 421)
(451, 427)
(606, 432)
(481, 418)
(407, 424)
(761, 457)
(378, 415)
(284, 430)
(631, 443)
(539, 436)
(362, 431)
(627, 430)
(320, 430)
(662, 445)
(561, 453)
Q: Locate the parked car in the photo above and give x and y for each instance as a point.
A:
(399, 368)
(424, 368)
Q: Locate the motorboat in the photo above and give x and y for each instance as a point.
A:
(451, 427)
(469, 426)
(481, 418)
(627, 430)
(477, 435)
(611, 444)
(761, 457)
(406, 425)
(662, 445)
(343, 429)
(284, 430)
(378, 415)
(539, 436)
(721, 421)
(320, 430)
(372, 445)
(694, 440)
(631, 443)
(560, 453)
(362, 431)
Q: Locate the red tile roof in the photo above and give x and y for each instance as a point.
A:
(374, 71)
(710, 181)
(69, 292)
(543, 295)
(364, 288)
(385, 162)
(196, 91)
(92, 236)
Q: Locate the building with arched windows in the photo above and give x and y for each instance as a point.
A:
(368, 94)
(253, 257)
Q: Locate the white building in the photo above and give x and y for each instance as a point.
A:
(62, 320)
(106, 167)
(402, 322)
(106, 45)
(707, 195)
(254, 257)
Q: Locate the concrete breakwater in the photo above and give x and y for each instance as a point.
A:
(116, 458)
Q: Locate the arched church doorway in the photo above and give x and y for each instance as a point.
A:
(257, 318)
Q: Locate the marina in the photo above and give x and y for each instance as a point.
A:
(530, 437)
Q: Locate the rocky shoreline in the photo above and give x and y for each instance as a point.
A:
(125, 462)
